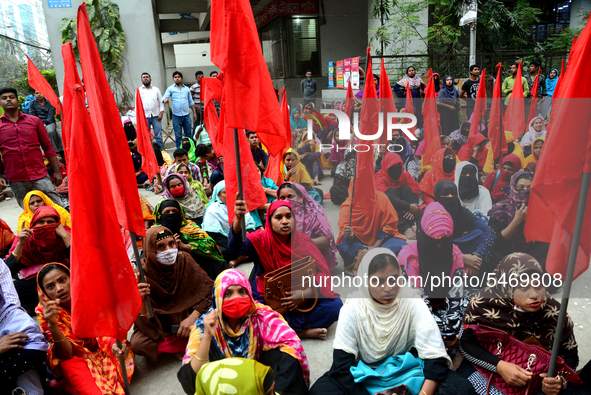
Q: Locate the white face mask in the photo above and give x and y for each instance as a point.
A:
(167, 257)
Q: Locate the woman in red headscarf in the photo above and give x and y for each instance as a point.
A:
(271, 249)
(474, 151)
(497, 181)
(444, 166)
(402, 190)
(46, 241)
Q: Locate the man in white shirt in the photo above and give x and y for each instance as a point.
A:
(153, 106)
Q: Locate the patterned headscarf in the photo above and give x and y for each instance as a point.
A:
(193, 205)
(494, 306)
(262, 329)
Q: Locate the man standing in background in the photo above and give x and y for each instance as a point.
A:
(196, 94)
(42, 109)
(182, 103)
(470, 89)
(153, 106)
(309, 88)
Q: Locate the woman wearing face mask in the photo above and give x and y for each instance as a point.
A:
(46, 241)
(474, 151)
(448, 105)
(310, 220)
(536, 129)
(179, 291)
(507, 218)
(343, 174)
(189, 146)
(277, 246)
(537, 146)
(524, 310)
(202, 192)
(32, 201)
(190, 238)
(471, 233)
(497, 181)
(435, 255)
(217, 224)
(444, 165)
(381, 320)
(238, 326)
(401, 189)
(87, 365)
(412, 162)
(474, 197)
(177, 188)
(460, 136)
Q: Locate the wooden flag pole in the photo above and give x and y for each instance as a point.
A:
(570, 271)
(123, 371)
(239, 176)
(140, 269)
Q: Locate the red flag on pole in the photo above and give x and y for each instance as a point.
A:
(70, 71)
(349, 101)
(273, 171)
(534, 99)
(479, 106)
(144, 142)
(232, 22)
(364, 189)
(119, 172)
(386, 99)
(430, 123)
(38, 82)
(105, 296)
(496, 134)
(409, 108)
(552, 206)
(514, 119)
(213, 90)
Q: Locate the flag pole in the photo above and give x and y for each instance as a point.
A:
(140, 269)
(123, 371)
(353, 120)
(570, 271)
(239, 176)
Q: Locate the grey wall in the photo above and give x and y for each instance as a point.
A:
(143, 52)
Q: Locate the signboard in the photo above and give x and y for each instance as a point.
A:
(331, 75)
(285, 7)
(346, 72)
(340, 74)
(59, 3)
(355, 72)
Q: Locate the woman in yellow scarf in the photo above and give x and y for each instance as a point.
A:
(292, 170)
(32, 201)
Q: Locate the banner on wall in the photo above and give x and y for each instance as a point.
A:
(355, 72)
(346, 72)
(340, 74)
(331, 83)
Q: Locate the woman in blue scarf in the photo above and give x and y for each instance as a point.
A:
(448, 106)
(298, 126)
(551, 82)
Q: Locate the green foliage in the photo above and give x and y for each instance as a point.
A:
(110, 40)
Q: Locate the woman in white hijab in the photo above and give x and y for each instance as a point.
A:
(474, 197)
(386, 320)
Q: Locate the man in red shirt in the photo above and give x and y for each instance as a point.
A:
(20, 138)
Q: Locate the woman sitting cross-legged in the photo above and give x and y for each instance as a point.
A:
(521, 307)
(277, 246)
(190, 238)
(88, 365)
(238, 326)
(383, 321)
(179, 291)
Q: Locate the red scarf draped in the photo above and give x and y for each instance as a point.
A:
(434, 175)
(496, 190)
(465, 152)
(384, 181)
(274, 254)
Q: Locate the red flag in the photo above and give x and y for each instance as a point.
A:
(555, 190)
(144, 142)
(38, 82)
(232, 22)
(119, 174)
(480, 105)
(70, 70)
(496, 133)
(430, 123)
(273, 171)
(386, 98)
(212, 90)
(365, 191)
(105, 297)
(349, 102)
(534, 100)
(514, 119)
(409, 108)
